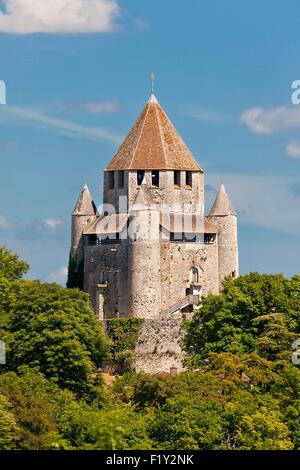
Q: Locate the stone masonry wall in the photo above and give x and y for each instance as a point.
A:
(113, 261)
(177, 259)
(227, 246)
(159, 345)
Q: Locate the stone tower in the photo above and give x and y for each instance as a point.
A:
(152, 252)
(224, 216)
(144, 255)
(84, 210)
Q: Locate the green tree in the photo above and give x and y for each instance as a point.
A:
(8, 426)
(254, 313)
(54, 331)
(113, 428)
(123, 333)
(37, 406)
(75, 274)
(11, 266)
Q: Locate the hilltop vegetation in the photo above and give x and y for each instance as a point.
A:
(242, 390)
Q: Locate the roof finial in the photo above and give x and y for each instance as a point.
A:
(153, 78)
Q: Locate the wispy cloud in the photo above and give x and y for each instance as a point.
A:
(293, 149)
(272, 120)
(59, 276)
(4, 223)
(9, 147)
(96, 107)
(205, 114)
(68, 128)
(59, 16)
(53, 223)
(268, 201)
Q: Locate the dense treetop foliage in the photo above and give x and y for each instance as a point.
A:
(241, 389)
(50, 329)
(255, 313)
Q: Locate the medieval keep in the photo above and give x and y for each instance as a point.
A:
(152, 252)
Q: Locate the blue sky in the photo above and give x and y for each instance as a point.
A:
(76, 81)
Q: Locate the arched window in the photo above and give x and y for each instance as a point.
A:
(194, 275)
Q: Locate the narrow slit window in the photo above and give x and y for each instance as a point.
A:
(111, 180)
(155, 178)
(140, 177)
(188, 179)
(177, 178)
(121, 179)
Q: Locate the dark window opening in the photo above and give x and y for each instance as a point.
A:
(155, 178)
(111, 239)
(111, 180)
(93, 240)
(184, 237)
(209, 238)
(177, 178)
(121, 179)
(233, 273)
(140, 177)
(188, 178)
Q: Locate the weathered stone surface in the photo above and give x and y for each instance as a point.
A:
(159, 345)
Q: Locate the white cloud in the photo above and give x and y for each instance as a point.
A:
(270, 121)
(267, 201)
(53, 223)
(205, 114)
(4, 223)
(95, 107)
(293, 149)
(59, 276)
(59, 16)
(71, 129)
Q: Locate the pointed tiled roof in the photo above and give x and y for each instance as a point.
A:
(143, 198)
(222, 204)
(153, 144)
(85, 204)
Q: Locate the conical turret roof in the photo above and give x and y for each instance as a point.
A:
(153, 144)
(85, 204)
(222, 204)
(143, 198)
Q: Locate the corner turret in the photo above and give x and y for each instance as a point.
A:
(224, 216)
(84, 210)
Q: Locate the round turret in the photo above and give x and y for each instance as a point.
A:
(224, 217)
(144, 256)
